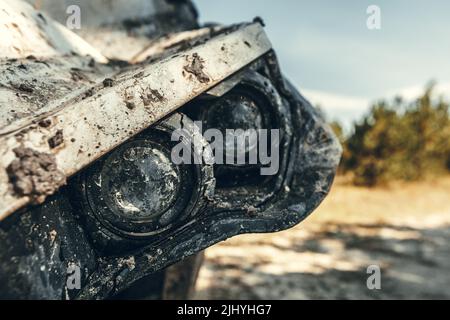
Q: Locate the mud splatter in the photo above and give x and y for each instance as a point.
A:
(130, 105)
(91, 63)
(24, 87)
(150, 96)
(108, 82)
(45, 123)
(56, 140)
(34, 174)
(89, 93)
(195, 67)
(78, 75)
(259, 20)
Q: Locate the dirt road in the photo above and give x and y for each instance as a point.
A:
(404, 229)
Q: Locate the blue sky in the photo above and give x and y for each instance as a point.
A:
(327, 51)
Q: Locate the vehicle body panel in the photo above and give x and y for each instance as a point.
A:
(95, 116)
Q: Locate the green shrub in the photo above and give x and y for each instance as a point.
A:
(399, 141)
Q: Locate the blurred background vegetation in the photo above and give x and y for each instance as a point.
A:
(398, 140)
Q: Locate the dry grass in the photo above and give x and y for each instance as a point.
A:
(400, 203)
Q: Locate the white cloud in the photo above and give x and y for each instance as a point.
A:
(328, 100)
(343, 108)
(347, 108)
(413, 92)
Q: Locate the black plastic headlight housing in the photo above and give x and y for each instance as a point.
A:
(135, 212)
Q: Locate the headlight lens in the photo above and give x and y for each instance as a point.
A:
(235, 111)
(137, 168)
(137, 191)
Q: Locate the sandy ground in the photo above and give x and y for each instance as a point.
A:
(404, 229)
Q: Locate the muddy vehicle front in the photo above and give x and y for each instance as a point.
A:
(135, 138)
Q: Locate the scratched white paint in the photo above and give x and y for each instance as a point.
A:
(94, 125)
(25, 31)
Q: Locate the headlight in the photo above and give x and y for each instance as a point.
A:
(252, 105)
(136, 191)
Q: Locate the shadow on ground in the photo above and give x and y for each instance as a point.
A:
(330, 262)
